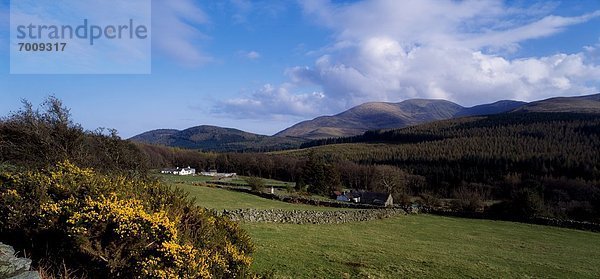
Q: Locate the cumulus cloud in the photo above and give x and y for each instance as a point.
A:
(175, 30)
(383, 70)
(387, 50)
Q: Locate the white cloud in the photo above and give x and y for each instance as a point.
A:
(593, 52)
(252, 55)
(384, 71)
(272, 102)
(544, 27)
(388, 50)
(175, 30)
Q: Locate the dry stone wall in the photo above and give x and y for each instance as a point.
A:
(294, 199)
(309, 216)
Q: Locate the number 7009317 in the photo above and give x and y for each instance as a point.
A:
(42, 46)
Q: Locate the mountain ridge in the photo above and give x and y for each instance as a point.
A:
(355, 121)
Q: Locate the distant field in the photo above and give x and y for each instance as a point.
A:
(199, 178)
(425, 246)
(216, 198)
(183, 178)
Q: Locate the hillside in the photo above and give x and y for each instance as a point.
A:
(583, 104)
(373, 116)
(493, 108)
(377, 116)
(212, 138)
(158, 137)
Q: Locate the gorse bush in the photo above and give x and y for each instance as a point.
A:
(116, 227)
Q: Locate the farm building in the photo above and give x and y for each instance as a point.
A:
(383, 199)
(179, 171)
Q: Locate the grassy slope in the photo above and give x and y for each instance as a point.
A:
(426, 247)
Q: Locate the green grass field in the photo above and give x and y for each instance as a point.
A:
(186, 179)
(414, 246)
(199, 178)
(216, 198)
(425, 246)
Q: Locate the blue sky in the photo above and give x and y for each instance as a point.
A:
(262, 66)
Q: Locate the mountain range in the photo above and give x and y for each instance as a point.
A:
(355, 121)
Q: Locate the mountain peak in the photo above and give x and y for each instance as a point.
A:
(373, 115)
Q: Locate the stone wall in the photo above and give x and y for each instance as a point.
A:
(298, 199)
(546, 221)
(309, 216)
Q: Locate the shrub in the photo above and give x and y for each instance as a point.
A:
(429, 200)
(255, 183)
(115, 227)
(468, 199)
(41, 137)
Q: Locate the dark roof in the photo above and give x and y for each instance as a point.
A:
(374, 197)
(352, 195)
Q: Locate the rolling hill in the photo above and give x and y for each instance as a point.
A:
(493, 108)
(582, 104)
(213, 138)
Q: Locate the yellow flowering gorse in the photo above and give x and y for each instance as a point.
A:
(123, 223)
